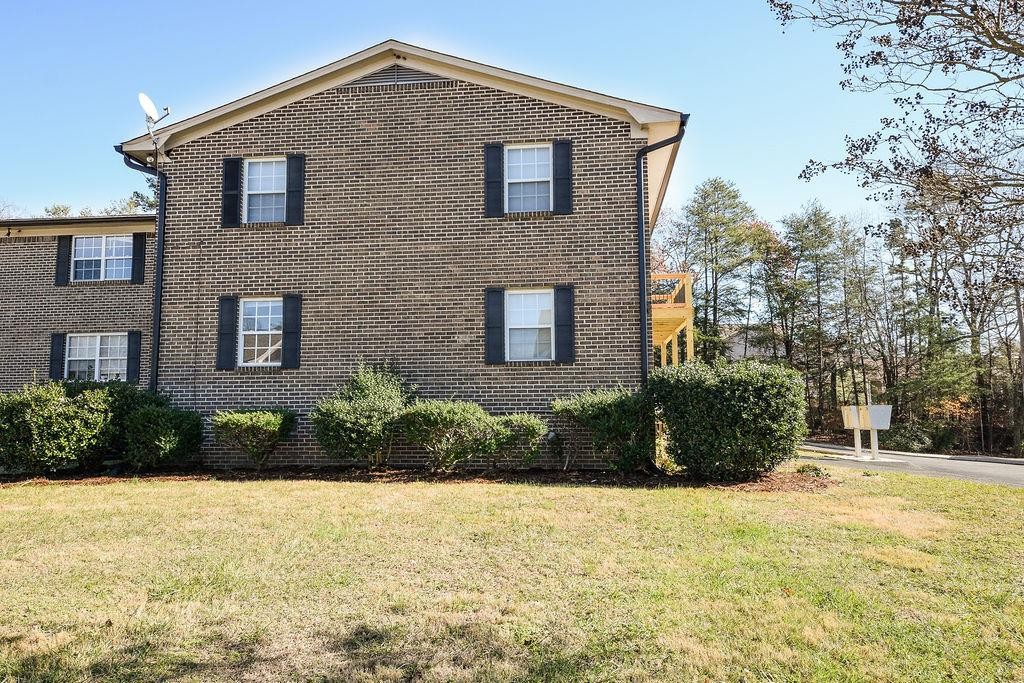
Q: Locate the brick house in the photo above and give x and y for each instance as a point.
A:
(476, 227)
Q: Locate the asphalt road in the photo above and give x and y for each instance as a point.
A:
(984, 472)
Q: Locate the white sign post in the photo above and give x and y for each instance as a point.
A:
(870, 417)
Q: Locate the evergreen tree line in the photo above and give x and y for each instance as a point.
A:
(921, 310)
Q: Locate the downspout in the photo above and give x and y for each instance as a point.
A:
(641, 242)
(158, 277)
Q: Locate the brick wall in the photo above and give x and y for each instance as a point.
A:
(395, 254)
(32, 308)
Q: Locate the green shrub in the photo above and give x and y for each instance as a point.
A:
(811, 470)
(729, 422)
(449, 431)
(358, 423)
(159, 436)
(518, 433)
(42, 429)
(911, 437)
(256, 433)
(620, 423)
(124, 399)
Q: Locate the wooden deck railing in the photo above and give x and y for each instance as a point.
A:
(672, 310)
(682, 293)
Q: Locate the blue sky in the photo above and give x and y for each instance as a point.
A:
(762, 101)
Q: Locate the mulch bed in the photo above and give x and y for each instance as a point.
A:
(774, 482)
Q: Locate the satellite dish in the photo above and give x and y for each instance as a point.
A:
(147, 106)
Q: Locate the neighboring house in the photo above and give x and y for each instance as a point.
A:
(476, 227)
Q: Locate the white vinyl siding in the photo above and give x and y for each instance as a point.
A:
(265, 183)
(530, 325)
(101, 257)
(100, 357)
(527, 178)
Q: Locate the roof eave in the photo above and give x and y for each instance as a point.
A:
(639, 115)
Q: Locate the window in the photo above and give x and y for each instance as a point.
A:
(260, 333)
(106, 257)
(265, 183)
(530, 324)
(528, 178)
(102, 357)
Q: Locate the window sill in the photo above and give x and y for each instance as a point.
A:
(257, 370)
(101, 283)
(533, 363)
(529, 215)
(273, 224)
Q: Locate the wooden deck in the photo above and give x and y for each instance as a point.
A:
(672, 314)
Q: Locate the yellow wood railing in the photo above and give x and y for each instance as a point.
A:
(672, 314)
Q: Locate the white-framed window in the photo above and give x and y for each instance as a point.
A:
(101, 357)
(530, 324)
(260, 331)
(527, 178)
(265, 182)
(101, 257)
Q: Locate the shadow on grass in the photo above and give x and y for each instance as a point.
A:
(141, 658)
(773, 481)
(475, 649)
(365, 652)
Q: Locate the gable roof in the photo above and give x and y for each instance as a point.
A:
(646, 121)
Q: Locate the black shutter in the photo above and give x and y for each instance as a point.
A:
(494, 180)
(58, 340)
(565, 325)
(494, 325)
(231, 194)
(561, 166)
(134, 356)
(63, 275)
(227, 332)
(295, 199)
(291, 315)
(138, 258)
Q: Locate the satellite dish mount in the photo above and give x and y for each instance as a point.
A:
(153, 116)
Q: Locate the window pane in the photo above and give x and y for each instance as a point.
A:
(265, 208)
(530, 309)
(114, 346)
(88, 269)
(529, 344)
(261, 337)
(119, 269)
(529, 196)
(88, 247)
(266, 176)
(119, 247)
(81, 369)
(112, 369)
(82, 346)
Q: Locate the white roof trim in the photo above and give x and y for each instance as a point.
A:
(379, 56)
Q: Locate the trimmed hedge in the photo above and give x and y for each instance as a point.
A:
(42, 429)
(730, 422)
(517, 433)
(124, 399)
(449, 431)
(161, 436)
(256, 433)
(358, 423)
(620, 424)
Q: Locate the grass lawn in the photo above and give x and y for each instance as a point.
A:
(883, 577)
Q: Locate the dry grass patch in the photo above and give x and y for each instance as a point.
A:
(401, 579)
